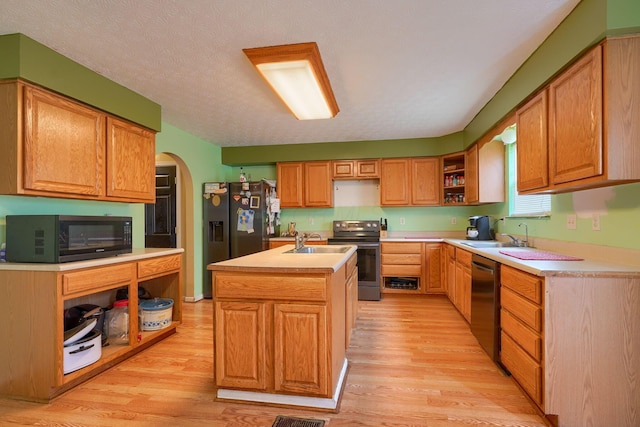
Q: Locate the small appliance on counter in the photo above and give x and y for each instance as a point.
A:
(479, 228)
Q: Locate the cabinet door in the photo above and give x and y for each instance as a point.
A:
(471, 179)
(531, 128)
(63, 145)
(425, 188)
(368, 168)
(463, 290)
(395, 182)
(575, 121)
(318, 185)
(451, 275)
(131, 152)
(290, 184)
(241, 332)
(434, 277)
(300, 349)
(343, 169)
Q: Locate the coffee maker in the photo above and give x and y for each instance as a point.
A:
(479, 228)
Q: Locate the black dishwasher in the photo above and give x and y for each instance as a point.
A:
(485, 304)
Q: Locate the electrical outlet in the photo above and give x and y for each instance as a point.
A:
(402, 222)
(454, 220)
(571, 222)
(595, 222)
(310, 221)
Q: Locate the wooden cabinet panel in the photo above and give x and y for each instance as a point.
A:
(402, 259)
(344, 169)
(530, 314)
(401, 248)
(368, 168)
(575, 121)
(529, 340)
(531, 129)
(270, 286)
(395, 182)
(318, 188)
(350, 169)
(463, 290)
(471, 184)
(300, 349)
(160, 265)
(451, 273)
(525, 284)
(290, 184)
(434, 266)
(401, 270)
(96, 278)
(59, 133)
(425, 181)
(130, 162)
(241, 336)
(524, 369)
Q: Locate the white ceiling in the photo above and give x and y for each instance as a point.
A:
(399, 68)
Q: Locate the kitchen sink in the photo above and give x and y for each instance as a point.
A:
(489, 244)
(319, 250)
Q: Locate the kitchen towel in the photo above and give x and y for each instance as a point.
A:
(527, 254)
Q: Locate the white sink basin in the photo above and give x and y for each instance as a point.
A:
(319, 250)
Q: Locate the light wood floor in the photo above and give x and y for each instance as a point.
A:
(413, 362)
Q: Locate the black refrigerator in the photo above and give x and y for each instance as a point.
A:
(238, 219)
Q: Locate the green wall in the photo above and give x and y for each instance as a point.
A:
(23, 57)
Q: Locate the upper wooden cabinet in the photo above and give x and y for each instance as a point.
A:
(57, 147)
(425, 187)
(305, 184)
(583, 121)
(395, 182)
(131, 163)
(453, 179)
(356, 169)
(409, 182)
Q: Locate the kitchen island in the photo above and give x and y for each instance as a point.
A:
(281, 322)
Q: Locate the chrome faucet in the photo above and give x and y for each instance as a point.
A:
(515, 241)
(302, 238)
(525, 243)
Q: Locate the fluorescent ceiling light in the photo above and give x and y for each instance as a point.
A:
(296, 73)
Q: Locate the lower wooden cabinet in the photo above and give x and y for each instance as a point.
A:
(32, 314)
(281, 332)
(401, 267)
(351, 304)
(300, 342)
(522, 321)
(462, 299)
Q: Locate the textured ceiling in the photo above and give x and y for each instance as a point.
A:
(399, 68)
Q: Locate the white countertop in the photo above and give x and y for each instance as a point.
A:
(583, 268)
(135, 255)
(277, 259)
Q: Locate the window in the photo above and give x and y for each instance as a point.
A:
(524, 205)
(521, 205)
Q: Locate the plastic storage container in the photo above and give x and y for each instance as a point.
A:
(118, 323)
(155, 314)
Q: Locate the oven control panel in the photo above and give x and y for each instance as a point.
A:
(356, 227)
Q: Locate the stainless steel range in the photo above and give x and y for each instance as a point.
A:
(366, 236)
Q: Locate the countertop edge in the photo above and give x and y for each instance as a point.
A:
(584, 268)
(274, 260)
(136, 255)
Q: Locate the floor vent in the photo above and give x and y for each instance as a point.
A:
(282, 421)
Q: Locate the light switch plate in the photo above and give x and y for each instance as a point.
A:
(571, 222)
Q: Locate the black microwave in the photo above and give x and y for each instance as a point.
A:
(62, 238)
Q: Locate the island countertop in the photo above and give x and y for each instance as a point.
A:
(277, 260)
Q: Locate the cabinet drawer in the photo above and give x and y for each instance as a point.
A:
(529, 340)
(95, 278)
(401, 259)
(158, 265)
(525, 284)
(269, 287)
(527, 312)
(401, 270)
(463, 257)
(401, 248)
(524, 369)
